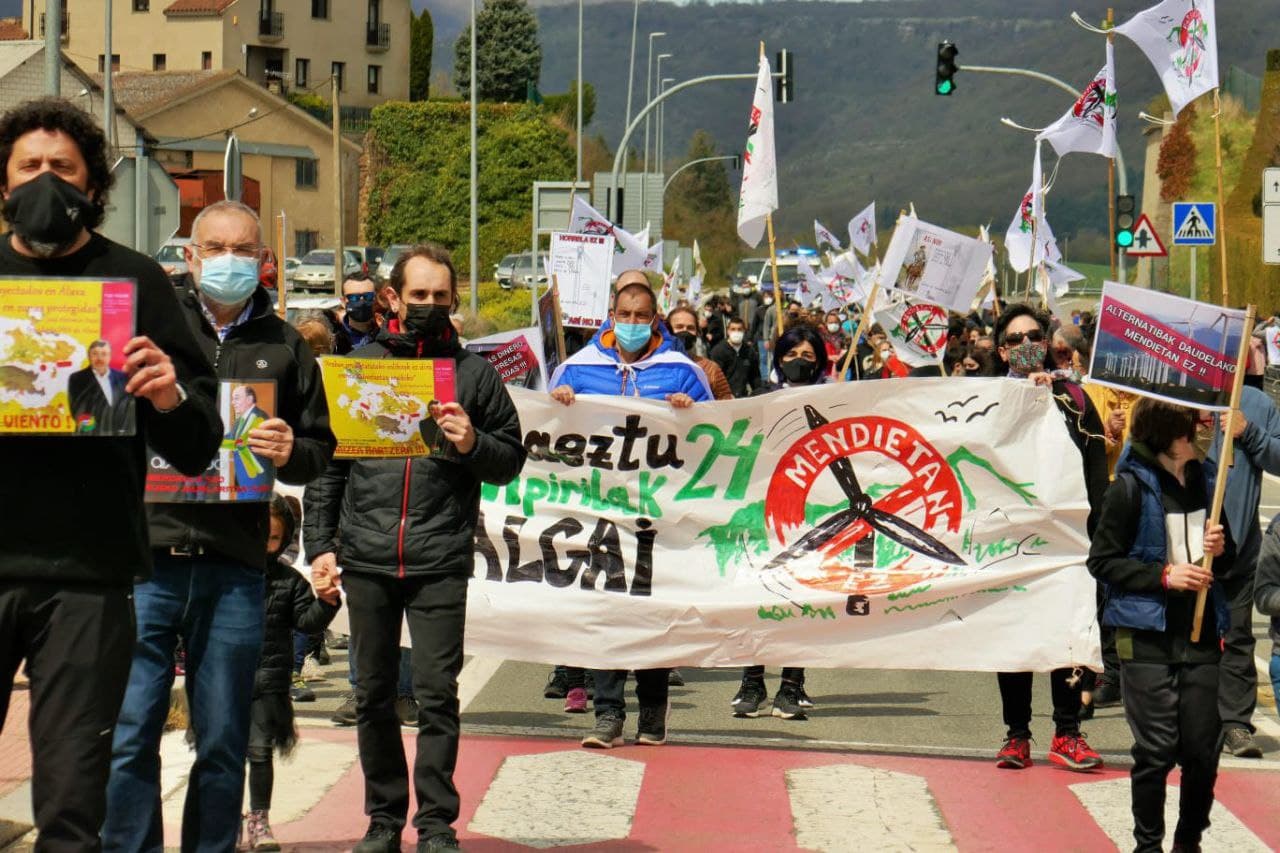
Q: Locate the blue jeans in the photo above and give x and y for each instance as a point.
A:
(404, 679)
(216, 605)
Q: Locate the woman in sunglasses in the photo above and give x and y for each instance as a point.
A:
(1022, 340)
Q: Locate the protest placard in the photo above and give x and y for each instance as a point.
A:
(932, 264)
(551, 330)
(386, 407)
(62, 356)
(1166, 346)
(236, 473)
(910, 525)
(581, 268)
(514, 354)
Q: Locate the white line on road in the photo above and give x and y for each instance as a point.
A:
(882, 809)
(1108, 803)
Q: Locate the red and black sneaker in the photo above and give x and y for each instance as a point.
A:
(1073, 752)
(1015, 754)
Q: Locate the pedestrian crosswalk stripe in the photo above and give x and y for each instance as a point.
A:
(1108, 803)
(850, 807)
(560, 799)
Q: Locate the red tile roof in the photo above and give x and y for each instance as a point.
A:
(11, 30)
(197, 7)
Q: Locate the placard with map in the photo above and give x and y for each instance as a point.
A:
(386, 407)
(236, 474)
(62, 356)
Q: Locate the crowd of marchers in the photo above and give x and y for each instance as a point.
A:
(105, 597)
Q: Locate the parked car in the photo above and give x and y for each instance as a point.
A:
(383, 270)
(171, 258)
(316, 270)
(517, 270)
(746, 275)
(297, 305)
(370, 257)
(290, 264)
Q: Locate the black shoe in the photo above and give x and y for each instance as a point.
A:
(1106, 694)
(346, 713)
(803, 699)
(786, 702)
(439, 841)
(674, 678)
(607, 733)
(300, 692)
(339, 642)
(751, 695)
(407, 711)
(652, 728)
(1240, 743)
(380, 838)
(557, 685)
(322, 655)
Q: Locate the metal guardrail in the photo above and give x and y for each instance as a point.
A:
(271, 25)
(378, 36)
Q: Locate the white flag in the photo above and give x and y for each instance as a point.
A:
(822, 236)
(1029, 224)
(1090, 125)
(759, 196)
(862, 229)
(1180, 37)
(666, 298)
(917, 330)
(653, 256)
(629, 250)
(808, 287)
(699, 272)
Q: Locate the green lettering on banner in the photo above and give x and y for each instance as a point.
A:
(723, 445)
(776, 613)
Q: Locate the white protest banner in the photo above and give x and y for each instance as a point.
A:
(862, 229)
(581, 266)
(629, 249)
(1180, 37)
(911, 525)
(917, 330)
(1165, 346)
(935, 265)
(758, 198)
(1090, 125)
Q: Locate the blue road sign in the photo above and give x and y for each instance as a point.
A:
(1195, 223)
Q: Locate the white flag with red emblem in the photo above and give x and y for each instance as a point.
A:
(1029, 239)
(1089, 127)
(629, 250)
(862, 229)
(759, 197)
(1180, 37)
(827, 242)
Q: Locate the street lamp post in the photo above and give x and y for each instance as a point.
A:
(578, 177)
(662, 125)
(474, 256)
(631, 64)
(648, 96)
(644, 176)
(670, 180)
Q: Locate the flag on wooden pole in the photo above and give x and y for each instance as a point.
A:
(1180, 37)
(823, 237)
(862, 229)
(699, 273)
(1089, 127)
(629, 249)
(759, 196)
(1029, 239)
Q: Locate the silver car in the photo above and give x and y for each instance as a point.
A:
(171, 258)
(389, 257)
(316, 270)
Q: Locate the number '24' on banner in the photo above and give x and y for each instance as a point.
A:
(1168, 347)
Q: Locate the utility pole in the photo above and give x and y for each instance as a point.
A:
(53, 47)
(337, 193)
(108, 101)
(473, 256)
(578, 173)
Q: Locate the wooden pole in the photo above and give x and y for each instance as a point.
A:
(773, 269)
(864, 322)
(281, 308)
(1111, 165)
(1222, 201)
(1225, 460)
(337, 193)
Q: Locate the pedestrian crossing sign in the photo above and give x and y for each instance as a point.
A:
(1194, 223)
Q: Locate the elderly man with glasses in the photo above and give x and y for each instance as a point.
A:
(210, 556)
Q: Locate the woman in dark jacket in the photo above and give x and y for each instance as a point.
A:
(1151, 537)
(799, 360)
(289, 606)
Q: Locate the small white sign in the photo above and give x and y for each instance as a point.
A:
(1271, 234)
(581, 266)
(1271, 186)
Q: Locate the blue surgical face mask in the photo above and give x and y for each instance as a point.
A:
(228, 279)
(632, 337)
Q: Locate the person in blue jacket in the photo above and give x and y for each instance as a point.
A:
(1147, 550)
(1257, 450)
(631, 356)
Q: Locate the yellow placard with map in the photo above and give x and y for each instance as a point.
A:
(386, 407)
(62, 357)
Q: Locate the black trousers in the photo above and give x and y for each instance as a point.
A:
(1238, 672)
(78, 642)
(1015, 696)
(436, 610)
(1173, 714)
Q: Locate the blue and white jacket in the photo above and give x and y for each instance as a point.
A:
(597, 368)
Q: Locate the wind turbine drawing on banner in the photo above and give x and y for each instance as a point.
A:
(861, 510)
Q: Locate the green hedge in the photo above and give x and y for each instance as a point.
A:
(420, 164)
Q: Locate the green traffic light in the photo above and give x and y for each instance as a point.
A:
(1124, 239)
(945, 87)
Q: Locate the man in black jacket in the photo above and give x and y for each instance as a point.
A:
(72, 520)
(402, 530)
(738, 358)
(209, 557)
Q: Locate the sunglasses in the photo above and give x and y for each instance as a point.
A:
(1012, 339)
(360, 299)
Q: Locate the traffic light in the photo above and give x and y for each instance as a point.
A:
(1125, 220)
(944, 83)
(784, 86)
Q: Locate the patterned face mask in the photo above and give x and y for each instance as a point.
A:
(1028, 357)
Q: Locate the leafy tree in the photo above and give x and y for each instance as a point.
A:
(510, 56)
(566, 105)
(700, 205)
(1176, 165)
(422, 32)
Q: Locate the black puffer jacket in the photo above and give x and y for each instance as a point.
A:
(417, 516)
(290, 606)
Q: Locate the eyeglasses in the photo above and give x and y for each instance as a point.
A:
(240, 250)
(360, 298)
(1012, 339)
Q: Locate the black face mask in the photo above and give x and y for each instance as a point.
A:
(47, 213)
(689, 340)
(361, 312)
(428, 322)
(799, 371)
